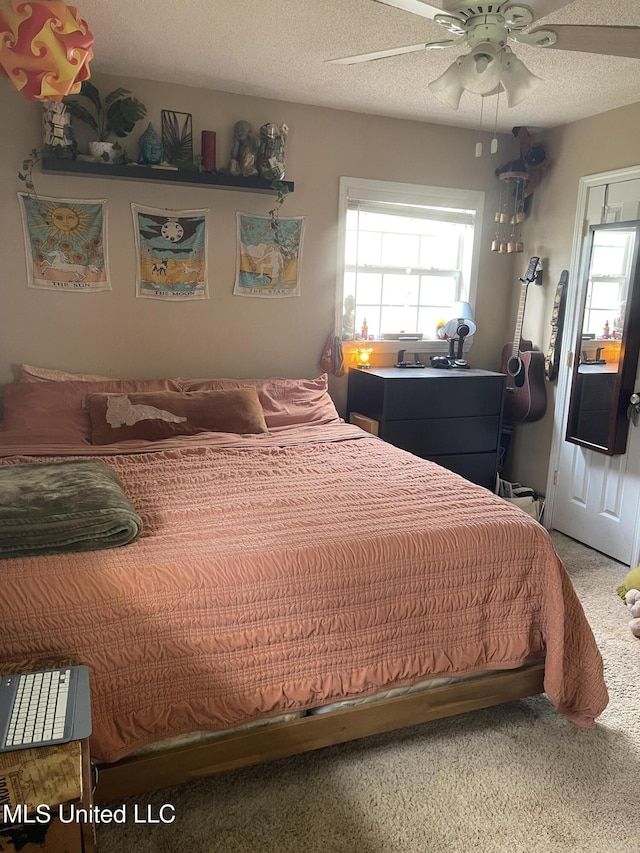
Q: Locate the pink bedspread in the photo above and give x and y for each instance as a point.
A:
(283, 572)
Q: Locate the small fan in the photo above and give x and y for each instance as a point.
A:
(486, 28)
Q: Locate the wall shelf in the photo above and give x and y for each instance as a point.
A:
(168, 176)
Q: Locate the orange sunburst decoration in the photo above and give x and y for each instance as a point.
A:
(45, 48)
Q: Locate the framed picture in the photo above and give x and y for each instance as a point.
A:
(177, 138)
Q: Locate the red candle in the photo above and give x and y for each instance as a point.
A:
(208, 146)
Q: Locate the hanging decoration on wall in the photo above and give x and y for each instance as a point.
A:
(65, 243)
(45, 48)
(520, 178)
(171, 250)
(266, 266)
(510, 215)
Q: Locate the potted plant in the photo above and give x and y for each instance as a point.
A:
(113, 117)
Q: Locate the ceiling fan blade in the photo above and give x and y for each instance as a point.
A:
(417, 7)
(609, 41)
(378, 54)
(540, 8)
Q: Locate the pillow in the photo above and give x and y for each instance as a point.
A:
(155, 415)
(286, 402)
(29, 373)
(55, 411)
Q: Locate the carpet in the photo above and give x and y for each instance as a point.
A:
(518, 778)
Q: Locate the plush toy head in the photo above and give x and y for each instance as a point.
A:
(631, 597)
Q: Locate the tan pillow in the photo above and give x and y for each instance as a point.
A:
(29, 373)
(55, 411)
(153, 416)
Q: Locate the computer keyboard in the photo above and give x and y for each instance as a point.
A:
(42, 708)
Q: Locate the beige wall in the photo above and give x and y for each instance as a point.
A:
(599, 144)
(116, 333)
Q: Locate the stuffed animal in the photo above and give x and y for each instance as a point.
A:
(632, 600)
(631, 582)
(631, 597)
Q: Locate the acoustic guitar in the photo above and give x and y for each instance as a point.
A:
(526, 395)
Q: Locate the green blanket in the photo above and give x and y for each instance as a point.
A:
(55, 507)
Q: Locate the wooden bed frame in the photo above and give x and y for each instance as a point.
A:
(151, 771)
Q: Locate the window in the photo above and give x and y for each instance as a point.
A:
(611, 260)
(408, 253)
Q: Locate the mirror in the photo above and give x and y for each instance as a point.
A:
(605, 357)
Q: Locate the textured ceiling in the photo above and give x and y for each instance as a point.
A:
(278, 49)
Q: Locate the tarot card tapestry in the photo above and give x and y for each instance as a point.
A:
(269, 256)
(65, 242)
(171, 248)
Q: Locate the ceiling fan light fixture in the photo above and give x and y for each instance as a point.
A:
(448, 87)
(480, 71)
(517, 81)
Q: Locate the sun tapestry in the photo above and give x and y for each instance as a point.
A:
(171, 247)
(65, 243)
(268, 258)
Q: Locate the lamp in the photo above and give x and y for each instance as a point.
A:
(45, 48)
(457, 330)
(363, 357)
(481, 72)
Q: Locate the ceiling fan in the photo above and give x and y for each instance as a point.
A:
(486, 27)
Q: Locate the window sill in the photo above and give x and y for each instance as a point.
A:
(432, 347)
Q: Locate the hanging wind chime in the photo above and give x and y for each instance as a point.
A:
(510, 215)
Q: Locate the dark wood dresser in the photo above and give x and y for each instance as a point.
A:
(452, 417)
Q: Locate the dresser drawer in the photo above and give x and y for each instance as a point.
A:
(457, 396)
(440, 436)
(479, 468)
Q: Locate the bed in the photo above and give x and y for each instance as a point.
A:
(280, 572)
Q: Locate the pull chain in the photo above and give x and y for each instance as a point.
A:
(494, 141)
(479, 142)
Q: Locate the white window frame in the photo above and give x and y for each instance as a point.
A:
(363, 189)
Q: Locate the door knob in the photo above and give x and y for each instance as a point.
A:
(633, 412)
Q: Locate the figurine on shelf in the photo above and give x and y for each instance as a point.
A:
(271, 158)
(348, 319)
(150, 151)
(244, 150)
(618, 320)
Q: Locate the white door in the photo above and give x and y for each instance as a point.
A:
(596, 498)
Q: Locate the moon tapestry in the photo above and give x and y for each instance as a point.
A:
(64, 242)
(171, 248)
(268, 257)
